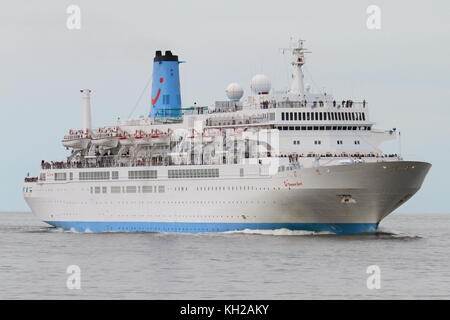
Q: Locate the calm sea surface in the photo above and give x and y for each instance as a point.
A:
(412, 252)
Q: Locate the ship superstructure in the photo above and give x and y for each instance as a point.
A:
(296, 160)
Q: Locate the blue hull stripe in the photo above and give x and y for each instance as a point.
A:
(198, 227)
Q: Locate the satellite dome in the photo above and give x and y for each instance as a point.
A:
(234, 91)
(260, 84)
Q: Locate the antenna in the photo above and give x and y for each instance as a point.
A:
(298, 52)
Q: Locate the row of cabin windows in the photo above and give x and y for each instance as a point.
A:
(59, 176)
(142, 174)
(193, 173)
(297, 142)
(231, 188)
(105, 175)
(136, 174)
(323, 116)
(94, 175)
(129, 189)
(161, 189)
(324, 128)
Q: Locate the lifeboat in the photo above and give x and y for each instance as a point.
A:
(160, 139)
(143, 140)
(76, 141)
(127, 141)
(108, 140)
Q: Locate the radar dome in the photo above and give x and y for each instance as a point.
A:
(234, 91)
(260, 84)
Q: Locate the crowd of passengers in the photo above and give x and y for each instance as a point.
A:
(294, 157)
(273, 104)
(149, 162)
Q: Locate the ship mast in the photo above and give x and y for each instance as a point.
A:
(297, 85)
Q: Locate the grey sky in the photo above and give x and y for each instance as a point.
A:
(403, 70)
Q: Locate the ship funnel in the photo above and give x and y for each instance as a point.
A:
(166, 97)
(87, 119)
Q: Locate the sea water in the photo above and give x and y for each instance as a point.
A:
(410, 253)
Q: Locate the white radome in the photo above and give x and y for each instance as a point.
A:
(234, 91)
(260, 84)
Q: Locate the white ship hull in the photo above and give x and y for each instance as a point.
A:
(339, 199)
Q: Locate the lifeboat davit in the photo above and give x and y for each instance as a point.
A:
(107, 140)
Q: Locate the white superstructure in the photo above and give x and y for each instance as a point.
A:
(296, 160)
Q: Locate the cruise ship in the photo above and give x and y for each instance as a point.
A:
(295, 159)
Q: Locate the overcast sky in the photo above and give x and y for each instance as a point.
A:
(402, 70)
